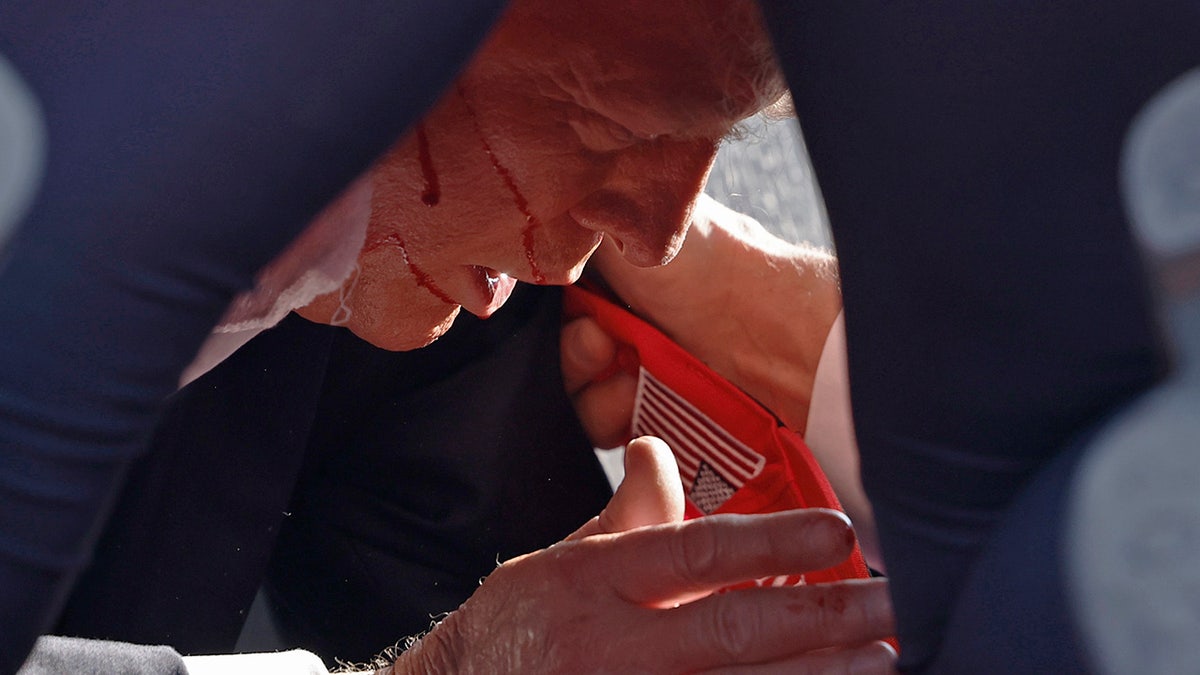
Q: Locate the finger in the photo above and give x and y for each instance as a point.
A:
(605, 409)
(874, 658)
(650, 494)
(586, 352)
(764, 625)
(704, 554)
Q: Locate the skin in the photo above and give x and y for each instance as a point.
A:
(651, 494)
(604, 119)
(576, 122)
(701, 301)
(569, 609)
(629, 625)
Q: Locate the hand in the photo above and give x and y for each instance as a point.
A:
(605, 600)
(605, 410)
(604, 406)
(603, 604)
(650, 494)
(760, 312)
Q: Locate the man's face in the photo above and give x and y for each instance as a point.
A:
(574, 121)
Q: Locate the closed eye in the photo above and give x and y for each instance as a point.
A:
(600, 134)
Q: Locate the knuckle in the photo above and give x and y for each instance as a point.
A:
(843, 615)
(732, 629)
(697, 553)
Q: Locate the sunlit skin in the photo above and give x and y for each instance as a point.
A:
(580, 121)
(575, 120)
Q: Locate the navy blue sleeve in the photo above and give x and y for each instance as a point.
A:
(996, 305)
(186, 144)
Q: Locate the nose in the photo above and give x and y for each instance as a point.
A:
(646, 201)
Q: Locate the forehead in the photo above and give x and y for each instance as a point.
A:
(679, 67)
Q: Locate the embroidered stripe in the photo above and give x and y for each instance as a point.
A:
(694, 437)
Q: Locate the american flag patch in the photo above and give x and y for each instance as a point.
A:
(712, 463)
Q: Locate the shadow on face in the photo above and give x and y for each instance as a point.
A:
(574, 121)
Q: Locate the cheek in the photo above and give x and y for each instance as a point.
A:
(384, 306)
(469, 201)
(503, 182)
(529, 150)
(390, 310)
(552, 173)
(462, 232)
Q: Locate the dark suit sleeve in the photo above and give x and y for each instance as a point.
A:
(996, 308)
(186, 144)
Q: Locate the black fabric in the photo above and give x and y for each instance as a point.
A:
(967, 156)
(188, 542)
(426, 468)
(996, 307)
(187, 143)
(421, 470)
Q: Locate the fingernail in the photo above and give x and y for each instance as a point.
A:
(878, 657)
(890, 649)
(849, 537)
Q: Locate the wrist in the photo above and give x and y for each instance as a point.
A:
(434, 652)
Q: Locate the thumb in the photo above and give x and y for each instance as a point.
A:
(650, 494)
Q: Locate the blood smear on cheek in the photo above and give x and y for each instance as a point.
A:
(522, 204)
(419, 275)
